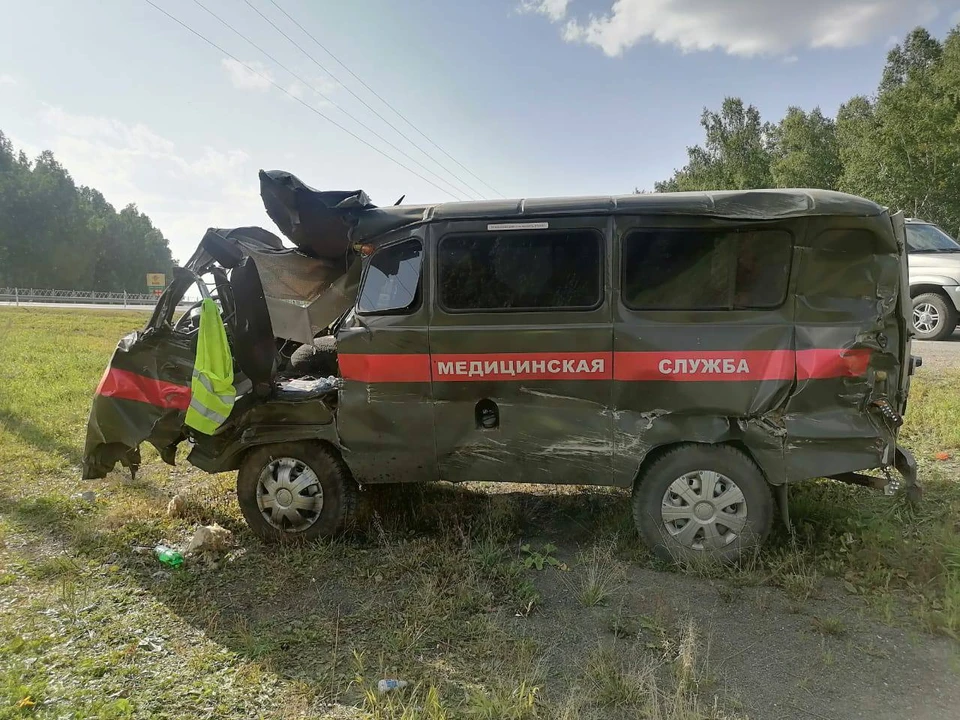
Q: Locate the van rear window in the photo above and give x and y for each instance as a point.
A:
(705, 269)
(521, 271)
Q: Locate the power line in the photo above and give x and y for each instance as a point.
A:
(362, 101)
(366, 104)
(294, 97)
(381, 99)
(332, 102)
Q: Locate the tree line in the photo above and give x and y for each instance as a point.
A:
(55, 234)
(900, 147)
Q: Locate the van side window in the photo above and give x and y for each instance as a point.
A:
(392, 282)
(705, 269)
(521, 271)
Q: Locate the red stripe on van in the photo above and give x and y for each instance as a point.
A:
(720, 366)
(130, 386)
(674, 366)
(399, 368)
(823, 363)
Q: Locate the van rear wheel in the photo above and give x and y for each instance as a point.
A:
(702, 503)
(295, 492)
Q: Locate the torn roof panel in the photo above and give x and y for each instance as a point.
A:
(747, 205)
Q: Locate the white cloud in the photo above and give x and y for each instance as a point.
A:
(313, 90)
(182, 191)
(740, 27)
(263, 80)
(7, 79)
(136, 139)
(243, 79)
(555, 10)
(297, 89)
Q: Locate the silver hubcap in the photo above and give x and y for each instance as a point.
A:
(704, 510)
(926, 318)
(289, 495)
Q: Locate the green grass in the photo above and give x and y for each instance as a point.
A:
(430, 588)
(601, 577)
(50, 364)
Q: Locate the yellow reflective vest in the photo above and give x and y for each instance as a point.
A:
(213, 393)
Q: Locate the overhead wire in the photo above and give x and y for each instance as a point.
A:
(382, 99)
(291, 95)
(364, 102)
(332, 102)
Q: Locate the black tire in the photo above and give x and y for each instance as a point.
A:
(650, 501)
(339, 498)
(946, 315)
(319, 358)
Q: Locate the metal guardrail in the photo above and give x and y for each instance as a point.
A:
(25, 296)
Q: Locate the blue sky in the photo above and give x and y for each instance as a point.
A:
(535, 97)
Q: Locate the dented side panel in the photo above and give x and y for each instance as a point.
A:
(384, 420)
(817, 364)
(848, 285)
(545, 374)
(794, 385)
(705, 376)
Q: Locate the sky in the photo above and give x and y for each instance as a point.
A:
(526, 98)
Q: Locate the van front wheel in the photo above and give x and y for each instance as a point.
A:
(294, 492)
(702, 503)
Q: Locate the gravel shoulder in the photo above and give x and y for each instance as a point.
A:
(938, 356)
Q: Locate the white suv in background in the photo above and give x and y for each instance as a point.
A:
(934, 259)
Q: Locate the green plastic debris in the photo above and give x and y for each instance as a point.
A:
(168, 556)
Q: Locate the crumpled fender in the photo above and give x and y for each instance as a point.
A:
(143, 396)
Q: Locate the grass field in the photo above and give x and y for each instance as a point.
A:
(440, 586)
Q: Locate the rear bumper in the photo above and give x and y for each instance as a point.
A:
(905, 465)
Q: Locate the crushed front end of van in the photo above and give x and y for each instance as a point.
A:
(271, 297)
(706, 349)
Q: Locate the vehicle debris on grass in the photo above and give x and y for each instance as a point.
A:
(176, 507)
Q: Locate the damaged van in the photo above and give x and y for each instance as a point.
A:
(707, 350)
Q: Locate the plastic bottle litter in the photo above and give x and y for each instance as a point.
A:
(389, 685)
(168, 556)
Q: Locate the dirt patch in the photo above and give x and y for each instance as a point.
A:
(764, 652)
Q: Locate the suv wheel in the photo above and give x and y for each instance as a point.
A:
(297, 491)
(934, 317)
(702, 503)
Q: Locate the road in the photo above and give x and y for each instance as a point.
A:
(80, 306)
(938, 356)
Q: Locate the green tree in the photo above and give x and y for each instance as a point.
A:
(734, 155)
(804, 151)
(54, 234)
(902, 150)
(919, 53)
